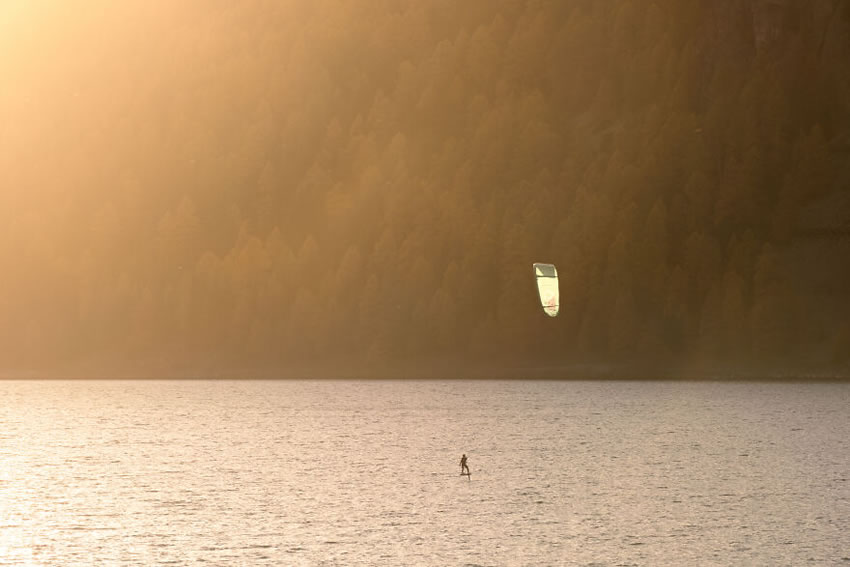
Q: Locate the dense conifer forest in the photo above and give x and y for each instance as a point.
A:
(263, 187)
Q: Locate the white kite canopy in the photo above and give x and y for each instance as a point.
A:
(547, 287)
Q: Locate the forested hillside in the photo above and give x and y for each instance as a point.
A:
(258, 186)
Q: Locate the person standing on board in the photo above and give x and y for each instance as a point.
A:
(463, 466)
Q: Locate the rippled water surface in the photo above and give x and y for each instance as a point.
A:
(366, 473)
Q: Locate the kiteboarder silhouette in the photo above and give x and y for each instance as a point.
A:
(463, 465)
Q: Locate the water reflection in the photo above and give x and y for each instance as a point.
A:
(358, 473)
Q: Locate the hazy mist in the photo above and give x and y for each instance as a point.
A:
(268, 188)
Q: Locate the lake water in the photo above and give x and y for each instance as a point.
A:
(367, 473)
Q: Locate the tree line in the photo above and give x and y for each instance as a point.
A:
(273, 185)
